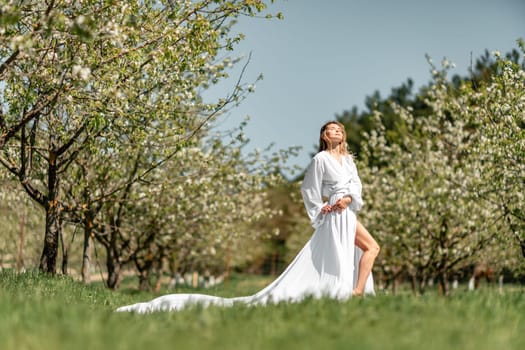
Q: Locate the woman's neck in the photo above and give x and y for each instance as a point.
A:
(334, 149)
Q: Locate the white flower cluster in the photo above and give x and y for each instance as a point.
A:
(81, 72)
(456, 180)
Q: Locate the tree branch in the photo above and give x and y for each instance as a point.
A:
(70, 142)
(33, 113)
(8, 61)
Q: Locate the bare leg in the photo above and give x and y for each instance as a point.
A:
(370, 248)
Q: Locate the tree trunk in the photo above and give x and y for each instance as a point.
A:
(414, 283)
(394, 285)
(86, 259)
(160, 272)
(158, 283)
(144, 281)
(20, 258)
(65, 252)
(442, 267)
(423, 284)
(48, 260)
(227, 269)
(443, 283)
(113, 279)
(113, 266)
(86, 250)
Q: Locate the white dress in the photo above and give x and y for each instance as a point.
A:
(328, 263)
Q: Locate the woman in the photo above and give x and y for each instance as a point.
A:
(337, 260)
(333, 174)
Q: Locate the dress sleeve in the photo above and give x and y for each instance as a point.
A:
(354, 190)
(311, 190)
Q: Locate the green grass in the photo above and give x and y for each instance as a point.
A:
(39, 312)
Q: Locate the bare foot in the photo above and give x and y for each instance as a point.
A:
(356, 293)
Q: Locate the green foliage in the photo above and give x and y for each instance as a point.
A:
(450, 189)
(287, 230)
(103, 119)
(200, 208)
(58, 313)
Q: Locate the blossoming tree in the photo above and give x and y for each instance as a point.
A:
(453, 185)
(76, 74)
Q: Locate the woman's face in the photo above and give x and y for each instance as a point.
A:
(334, 133)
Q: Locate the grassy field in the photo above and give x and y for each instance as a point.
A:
(38, 312)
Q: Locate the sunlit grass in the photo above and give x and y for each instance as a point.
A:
(39, 312)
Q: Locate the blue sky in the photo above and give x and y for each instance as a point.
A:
(325, 57)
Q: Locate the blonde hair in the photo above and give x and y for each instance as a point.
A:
(325, 143)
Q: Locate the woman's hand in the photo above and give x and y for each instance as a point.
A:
(326, 209)
(342, 204)
(339, 206)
